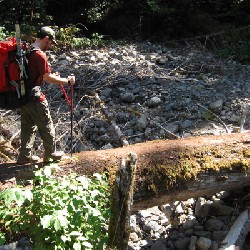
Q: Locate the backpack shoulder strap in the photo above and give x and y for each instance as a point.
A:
(29, 52)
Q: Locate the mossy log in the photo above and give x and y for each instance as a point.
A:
(177, 169)
(171, 170)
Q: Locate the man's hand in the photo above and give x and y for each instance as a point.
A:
(71, 80)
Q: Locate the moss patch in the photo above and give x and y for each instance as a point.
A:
(188, 164)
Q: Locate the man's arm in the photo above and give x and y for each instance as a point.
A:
(54, 78)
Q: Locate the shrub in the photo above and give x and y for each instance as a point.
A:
(3, 34)
(70, 37)
(58, 213)
(236, 45)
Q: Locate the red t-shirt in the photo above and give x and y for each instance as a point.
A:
(37, 67)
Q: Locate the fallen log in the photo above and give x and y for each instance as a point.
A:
(171, 170)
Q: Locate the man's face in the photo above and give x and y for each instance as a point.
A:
(47, 43)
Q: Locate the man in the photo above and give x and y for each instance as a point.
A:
(35, 115)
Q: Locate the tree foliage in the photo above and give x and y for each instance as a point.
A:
(130, 18)
(28, 13)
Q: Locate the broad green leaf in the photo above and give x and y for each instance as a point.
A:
(95, 212)
(87, 244)
(75, 204)
(73, 187)
(71, 208)
(77, 246)
(46, 221)
(81, 238)
(28, 195)
(98, 177)
(2, 239)
(14, 194)
(7, 223)
(94, 193)
(57, 225)
(47, 171)
(65, 238)
(75, 234)
(62, 217)
(101, 244)
(84, 181)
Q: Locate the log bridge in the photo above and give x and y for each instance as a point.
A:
(167, 170)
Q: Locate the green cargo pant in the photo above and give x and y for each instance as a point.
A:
(36, 116)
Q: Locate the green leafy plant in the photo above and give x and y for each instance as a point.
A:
(71, 38)
(239, 50)
(67, 34)
(208, 115)
(3, 34)
(2, 239)
(80, 42)
(98, 10)
(58, 213)
(158, 7)
(236, 45)
(97, 39)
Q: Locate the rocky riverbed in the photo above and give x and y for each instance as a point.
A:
(202, 224)
(149, 92)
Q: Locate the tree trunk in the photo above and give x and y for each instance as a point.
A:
(172, 169)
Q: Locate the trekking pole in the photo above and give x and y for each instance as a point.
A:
(70, 103)
(71, 117)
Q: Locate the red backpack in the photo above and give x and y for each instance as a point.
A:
(13, 75)
(9, 67)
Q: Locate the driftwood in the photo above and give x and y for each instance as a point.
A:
(237, 234)
(171, 170)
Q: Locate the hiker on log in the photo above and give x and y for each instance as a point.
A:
(35, 115)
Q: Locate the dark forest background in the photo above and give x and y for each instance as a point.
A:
(130, 19)
(222, 25)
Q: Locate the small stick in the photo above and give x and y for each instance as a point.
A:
(228, 131)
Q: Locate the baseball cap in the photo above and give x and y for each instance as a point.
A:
(47, 31)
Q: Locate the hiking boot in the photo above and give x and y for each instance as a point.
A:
(33, 159)
(55, 157)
